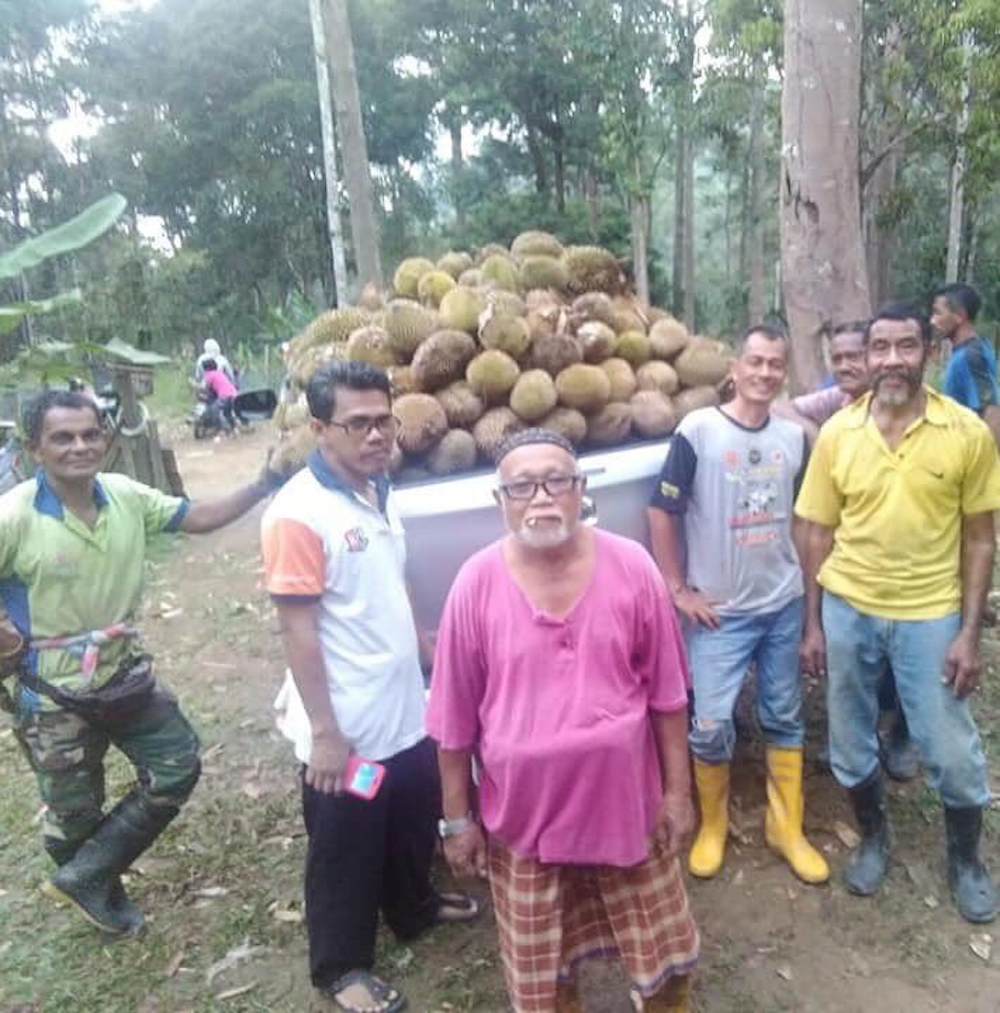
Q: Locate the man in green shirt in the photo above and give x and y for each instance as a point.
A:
(72, 559)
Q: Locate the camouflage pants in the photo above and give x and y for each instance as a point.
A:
(67, 755)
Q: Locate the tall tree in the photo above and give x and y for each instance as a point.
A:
(353, 144)
(329, 150)
(822, 252)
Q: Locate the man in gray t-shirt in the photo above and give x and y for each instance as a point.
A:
(725, 500)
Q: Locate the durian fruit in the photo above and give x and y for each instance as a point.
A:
(291, 415)
(408, 324)
(506, 333)
(534, 243)
(455, 263)
(493, 428)
(653, 413)
(456, 452)
(396, 458)
(610, 425)
(371, 298)
(622, 378)
(402, 381)
(540, 325)
(543, 272)
(544, 300)
(460, 309)
(412, 474)
(307, 362)
(654, 313)
(701, 364)
(567, 422)
(492, 375)
(656, 375)
(406, 280)
(433, 287)
(627, 318)
(583, 387)
(501, 271)
(667, 338)
(293, 451)
(592, 269)
(507, 302)
(441, 359)
(461, 404)
(534, 395)
(695, 397)
(334, 325)
(594, 306)
(422, 422)
(633, 346)
(370, 344)
(472, 278)
(597, 341)
(490, 250)
(553, 353)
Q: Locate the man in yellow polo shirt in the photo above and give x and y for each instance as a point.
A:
(900, 493)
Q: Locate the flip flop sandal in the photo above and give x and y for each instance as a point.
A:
(456, 908)
(384, 998)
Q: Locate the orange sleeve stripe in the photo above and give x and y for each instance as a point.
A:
(294, 561)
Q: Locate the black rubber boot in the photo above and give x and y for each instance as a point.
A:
(900, 754)
(90, 879)
(867, 863)
(972, 890)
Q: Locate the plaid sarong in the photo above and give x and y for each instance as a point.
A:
(551, 917)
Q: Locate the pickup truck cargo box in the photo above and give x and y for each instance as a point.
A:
(447, 520)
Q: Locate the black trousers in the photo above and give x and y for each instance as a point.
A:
(369, 856)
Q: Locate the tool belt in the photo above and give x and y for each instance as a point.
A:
(126, 693)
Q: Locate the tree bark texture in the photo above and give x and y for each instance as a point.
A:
(689, 236)
(823, 256)
(353, 145)
(755, 246)
(538, 161)
(956, 205)
(680, 181)
(457, 172)
(334, 233)
(639, 214)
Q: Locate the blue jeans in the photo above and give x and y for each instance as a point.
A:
(859, 647)
(719, 661)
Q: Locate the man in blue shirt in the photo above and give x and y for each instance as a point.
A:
(971, 376)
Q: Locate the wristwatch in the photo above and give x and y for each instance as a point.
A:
(448, 828)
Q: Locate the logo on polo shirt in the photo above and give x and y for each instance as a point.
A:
(357, 540)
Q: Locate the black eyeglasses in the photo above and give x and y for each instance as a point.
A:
(554, 485)
(358, 428)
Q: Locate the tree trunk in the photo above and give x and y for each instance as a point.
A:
(457, 171)
(335, 236)
(353, 145)
(680, 207)
(755, 244)
(538, 161)
(823, 255)
(956, 207)
(689, 243)
(881, 236)
(560, 172)
(592, 199)
(639, 215)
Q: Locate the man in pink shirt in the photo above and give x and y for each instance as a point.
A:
(560, 668)
(222, 389)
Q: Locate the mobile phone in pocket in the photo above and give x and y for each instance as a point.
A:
(363, 778)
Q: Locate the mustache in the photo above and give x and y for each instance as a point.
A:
(911, 376)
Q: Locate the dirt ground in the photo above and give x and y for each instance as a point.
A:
(222, 887)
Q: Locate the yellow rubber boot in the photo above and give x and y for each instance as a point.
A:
(783, 824)
(674, 997)
(709, 847)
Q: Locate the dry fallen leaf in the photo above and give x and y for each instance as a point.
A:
(783, 971)
(231, 993)
(981, 946)
(175, 963)
(211, 892)
(848, 835)
(931, 901)
(289, 915)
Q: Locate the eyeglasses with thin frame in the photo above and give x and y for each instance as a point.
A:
(554, 486)
(359, 427)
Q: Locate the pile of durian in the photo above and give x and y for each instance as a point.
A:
(480, 346)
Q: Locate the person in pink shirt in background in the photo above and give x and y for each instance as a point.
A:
(560, 669)
(847, 362)
(223, 390)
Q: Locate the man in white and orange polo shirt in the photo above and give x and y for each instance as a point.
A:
(334, 557)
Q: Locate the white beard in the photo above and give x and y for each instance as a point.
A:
(547, 537)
